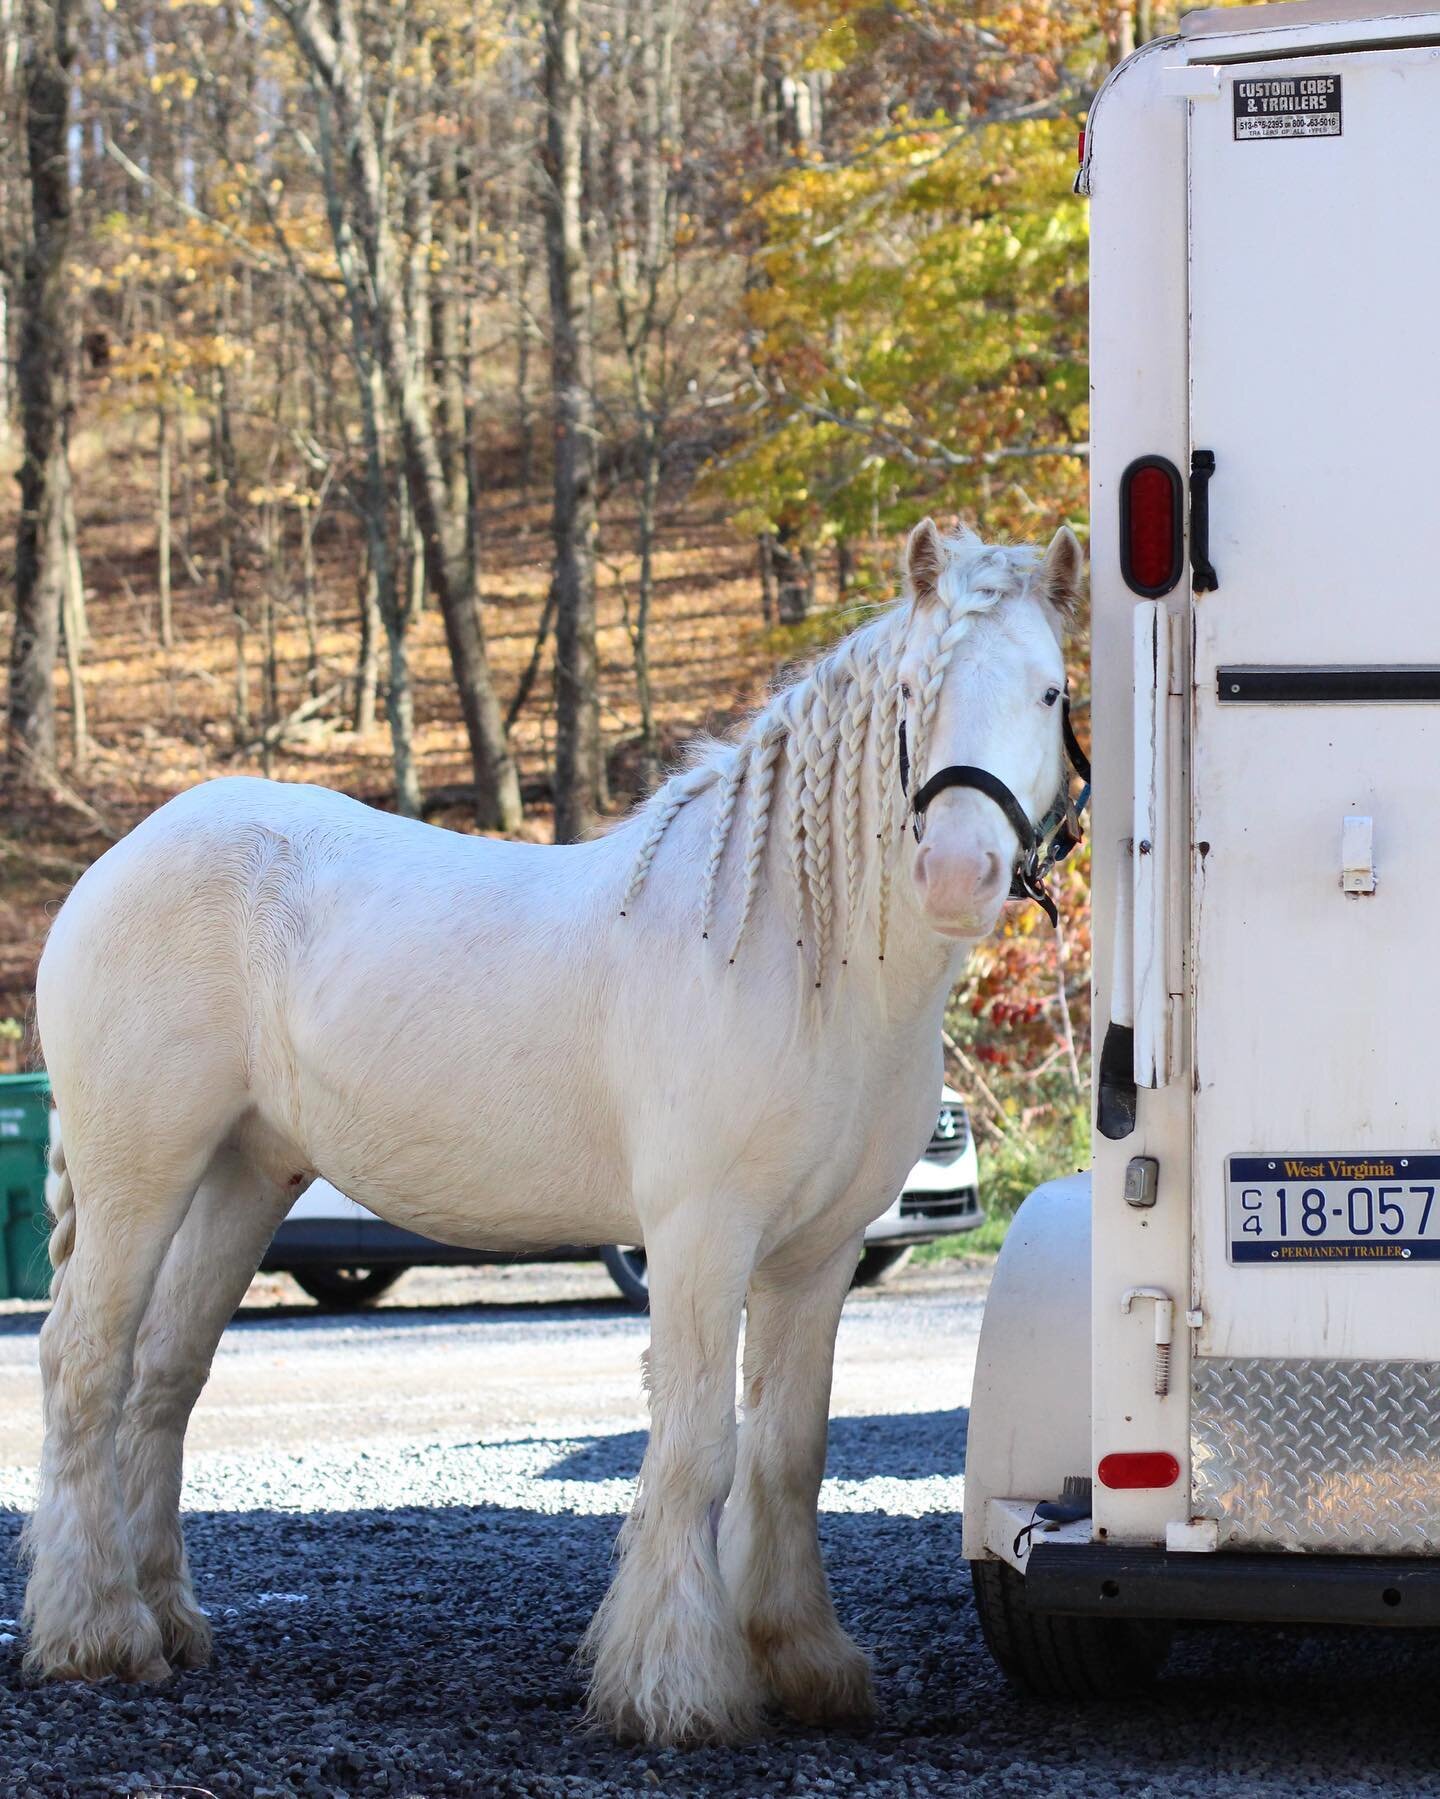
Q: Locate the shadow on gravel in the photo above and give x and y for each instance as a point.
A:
(429, 1653)
(446, 1315)
(891, 1445)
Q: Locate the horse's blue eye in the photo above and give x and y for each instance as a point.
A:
(1051, 695)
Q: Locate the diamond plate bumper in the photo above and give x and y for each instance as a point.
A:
(1341, 1456)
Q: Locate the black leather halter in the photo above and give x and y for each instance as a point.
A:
(1041, 845)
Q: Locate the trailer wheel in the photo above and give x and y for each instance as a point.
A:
(346, 1289)
(1058, 1657)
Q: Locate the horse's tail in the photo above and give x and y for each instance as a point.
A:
(60, 1202)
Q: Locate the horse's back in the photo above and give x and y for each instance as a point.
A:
(165, 944)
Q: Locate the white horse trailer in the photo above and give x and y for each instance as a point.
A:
(1209, 1376)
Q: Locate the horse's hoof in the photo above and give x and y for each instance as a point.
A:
(666, 1699)
(122, 1644)
(184, 1631)
(666, 1721)
(820, 1681)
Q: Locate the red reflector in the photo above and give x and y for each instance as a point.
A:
(1150, 525)
(1139, 1468)
(1080, 147)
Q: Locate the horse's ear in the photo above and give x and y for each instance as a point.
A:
(1062, 572)
(924, 559)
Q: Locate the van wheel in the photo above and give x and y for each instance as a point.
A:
(1057, 1657)
(878, 1261)
(628, 1268)
(346, 1289)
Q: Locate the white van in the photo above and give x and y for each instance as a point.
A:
(1209, 1375)
(344, 1256)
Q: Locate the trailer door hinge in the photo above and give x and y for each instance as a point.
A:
(1191, 81)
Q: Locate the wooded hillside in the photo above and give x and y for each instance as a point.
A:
(461, 401)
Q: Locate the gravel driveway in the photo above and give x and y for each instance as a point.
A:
(402, 1523)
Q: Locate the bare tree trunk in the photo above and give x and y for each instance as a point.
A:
(645, 534)
(765, 557)
(336, 59)
(446, 338)
(844, 568)
(72, 620)
(400, 708)
(162, 526)
(6, 372)
(44, 384)
(224, 476)
(579, 756)
(269, 674)
(411, 559)
(309, 519)
(794, 578)
(389, 602)
(367, 672)
(524, 332)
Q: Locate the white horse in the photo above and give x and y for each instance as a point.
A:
(733, 1001)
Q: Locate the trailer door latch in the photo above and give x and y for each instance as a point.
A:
(1357, 854)
(1164, 1329)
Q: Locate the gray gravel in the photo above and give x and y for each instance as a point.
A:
(397, 1615)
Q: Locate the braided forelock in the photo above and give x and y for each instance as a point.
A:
(892, 812)
(953, 628)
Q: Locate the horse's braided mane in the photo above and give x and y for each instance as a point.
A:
(812, 736)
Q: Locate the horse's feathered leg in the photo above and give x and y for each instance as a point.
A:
(669, 1662)
(82, 1603)
(769, 1546)
(210, 1264)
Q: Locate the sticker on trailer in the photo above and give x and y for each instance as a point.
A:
(1287, 106)
(1309, 1208)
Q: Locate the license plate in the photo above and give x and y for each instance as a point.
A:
(1310, 1208)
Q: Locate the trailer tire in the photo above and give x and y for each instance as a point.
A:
(1052, 1656)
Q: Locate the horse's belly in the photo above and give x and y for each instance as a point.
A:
(506, 1188)
(517, 1219)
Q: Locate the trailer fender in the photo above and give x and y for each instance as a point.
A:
(1030, 1411)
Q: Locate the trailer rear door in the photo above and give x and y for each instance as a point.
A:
(1315, 381)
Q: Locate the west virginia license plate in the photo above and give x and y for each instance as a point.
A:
(1311, 1208)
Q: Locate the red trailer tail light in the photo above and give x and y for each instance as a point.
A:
(1151, 526)
(1138, 1468)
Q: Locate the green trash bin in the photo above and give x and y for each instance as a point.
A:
(24, 1157)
